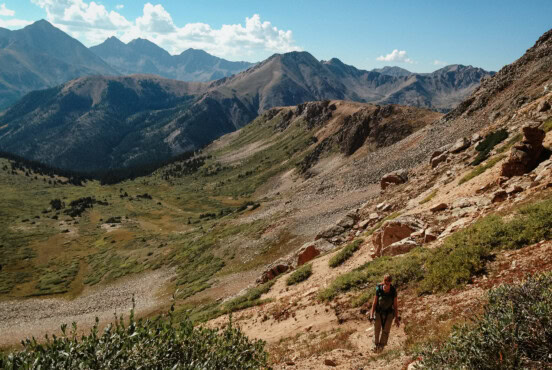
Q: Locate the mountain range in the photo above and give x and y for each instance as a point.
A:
(40, 56)
(143, 118)
(143, 56)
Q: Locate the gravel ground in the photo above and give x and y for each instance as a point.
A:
(20, 319)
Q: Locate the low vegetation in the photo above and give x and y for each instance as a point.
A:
(487, 144)
(429, 197)
(299, 275)
(481, 168)
(345, 253)
(141, 344)
(452, 265)
(513, 333)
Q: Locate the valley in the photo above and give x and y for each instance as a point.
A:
(301, 183)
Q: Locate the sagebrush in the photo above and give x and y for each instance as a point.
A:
(160, 343)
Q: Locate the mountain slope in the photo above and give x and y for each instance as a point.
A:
(40, 56)
(143, 56)
(210, 110)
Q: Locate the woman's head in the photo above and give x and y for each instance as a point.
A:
(387, 279)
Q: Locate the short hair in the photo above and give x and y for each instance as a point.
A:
(387, 277)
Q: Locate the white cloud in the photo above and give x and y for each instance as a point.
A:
(395, 56)
(119, 6)
(438, 62)
(14, 23)
(92, 23)
(5, 11)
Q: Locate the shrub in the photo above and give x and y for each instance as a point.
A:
(249, 299)
(547, 126)
(429, 197)
(142, 344)
(404, 270)
(299, 275)
(514, 332)
(487, 144)
(345, 253)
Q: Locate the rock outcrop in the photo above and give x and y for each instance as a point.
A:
(525, 156)
(393, 231)
(396, 177)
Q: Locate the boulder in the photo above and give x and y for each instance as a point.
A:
(460, 145)
(400, 247)
(396, 177)
(363, 224)
(525, 156)
(514, 189)
(393, 231)
(499, 196)
(330, 232)
(430, 235)
(475, 138)
(273, 271)
(330, 362)
(306, 255)
(439, 207)
(543, 106)
(437, 160)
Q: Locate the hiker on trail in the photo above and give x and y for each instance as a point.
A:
(385, 307)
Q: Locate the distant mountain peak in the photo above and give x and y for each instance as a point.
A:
(393, 71)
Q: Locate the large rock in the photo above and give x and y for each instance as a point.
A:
(396, 177)
(460, 145)
(525, 156)
(543, 106)
(438, 160)
(343, 225)
(311, 250)
(394, 230)
(273, 271)
(401, 247)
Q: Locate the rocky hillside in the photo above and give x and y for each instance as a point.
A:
(40, 56)
(142, 56)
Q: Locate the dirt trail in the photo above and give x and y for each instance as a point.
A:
(20, 319)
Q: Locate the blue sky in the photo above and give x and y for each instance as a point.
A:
(417, 35)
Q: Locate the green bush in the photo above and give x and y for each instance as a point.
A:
(345, 253)
(299, 275)
(142, 344)
(249, 299)
(404, 270)
(481, 168)
(487, 144)
(514, 332)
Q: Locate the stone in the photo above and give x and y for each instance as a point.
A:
(461, 203)
(456, 225)
(439, 207)
(543, 106)
(438, 160)
(460, 145)
(363, 224)
(524, 156)
(306, 255)
(499, 196)
(330, 362)
(475, 138)
(400, 247)
(272, 272)
(396, 177)
(347, 222)
(430, 235)
(514, 189)
(380, 205)
(374, 216)
(393, 231)
(387, 207)
(330, 232)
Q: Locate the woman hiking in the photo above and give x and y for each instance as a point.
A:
(385, 307)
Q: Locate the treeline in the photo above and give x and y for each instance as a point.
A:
(182, 164)
(35, 167)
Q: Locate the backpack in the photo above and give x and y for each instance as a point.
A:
(385, 300)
